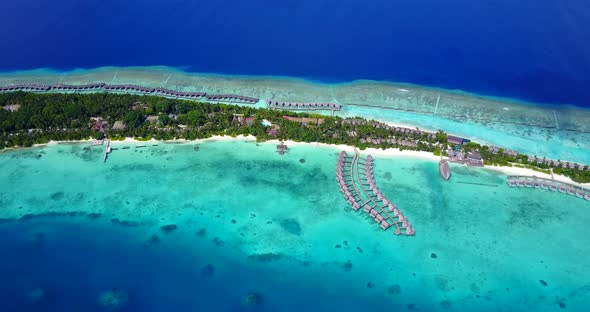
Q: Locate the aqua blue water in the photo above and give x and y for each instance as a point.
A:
(532, 50)
(252, 222)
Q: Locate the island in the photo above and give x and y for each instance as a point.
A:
(34, 116)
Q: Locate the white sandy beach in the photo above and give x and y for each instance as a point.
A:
(389, 153)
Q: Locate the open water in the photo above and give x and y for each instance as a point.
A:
(533, 50)
(251, 222)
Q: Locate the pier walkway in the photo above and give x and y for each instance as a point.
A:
(548, 184)
(355, 178)
(107, 150)
(302, 106)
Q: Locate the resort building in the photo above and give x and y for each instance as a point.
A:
(273, 131)
(451, 139)
(152, 119)
(474, 159)
(244, 121)
(98, 124)
(11, 108)
(118, 125)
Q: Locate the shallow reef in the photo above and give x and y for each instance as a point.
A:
(35, 295)
(291, 226)
(125, 223)
(347, 266)
(113, 299)
(208, 270)
(169, 228)
(252, 299)
(266, 257)
(394, 289)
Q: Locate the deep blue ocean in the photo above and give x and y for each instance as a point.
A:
(531, 50)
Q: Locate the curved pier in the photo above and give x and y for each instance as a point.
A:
(358, 187)
(548, 184)
(130, 88)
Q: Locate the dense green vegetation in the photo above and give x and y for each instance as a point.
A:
(54, 116)
(44, 117)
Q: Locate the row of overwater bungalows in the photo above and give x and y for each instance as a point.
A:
(344, 177)
(385, 203)
(231, 98)
(302, 106)
(546, 184)
(130, 88)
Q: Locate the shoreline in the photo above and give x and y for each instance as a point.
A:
(524, 127)
(387, 153)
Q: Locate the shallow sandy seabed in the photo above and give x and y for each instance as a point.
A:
(554, 131)
(479, 243)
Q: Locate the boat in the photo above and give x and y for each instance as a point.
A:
(444, 169)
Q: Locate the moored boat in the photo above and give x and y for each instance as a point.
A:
(444, 169)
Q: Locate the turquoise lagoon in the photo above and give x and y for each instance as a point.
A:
(552, 131)
(249, 221)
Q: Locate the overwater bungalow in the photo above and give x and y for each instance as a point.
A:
(379, 218)
(401, 217)
(511, 182)
(281, 148)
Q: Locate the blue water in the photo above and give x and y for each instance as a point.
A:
(73, 261)
(530, 50)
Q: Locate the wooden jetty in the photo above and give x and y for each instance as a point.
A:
(548, 184)
(107, 150)
(355, 178)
